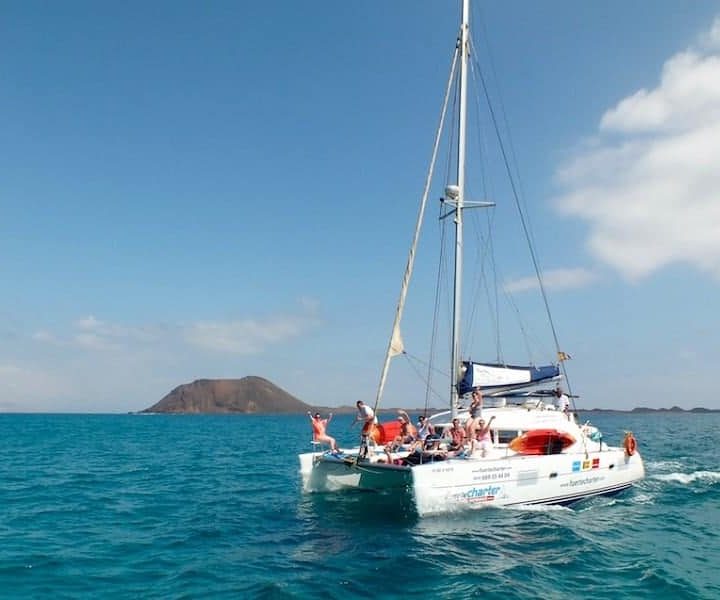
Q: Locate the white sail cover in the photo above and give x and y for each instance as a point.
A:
(497, 377)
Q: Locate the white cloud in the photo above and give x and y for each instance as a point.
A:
(45, 337)
(93, 364)
(96, 333)
(238, 336)
(247, 336)
(711, 40)
(89, 322)
(91, 341)
(556, 279)
(649, 184)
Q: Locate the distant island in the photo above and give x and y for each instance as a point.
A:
(247, 395)
(256, 395)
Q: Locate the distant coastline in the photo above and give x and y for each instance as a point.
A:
(255, 395)
(637, 410)
(645, 409)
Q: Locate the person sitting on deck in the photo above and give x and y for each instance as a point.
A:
(426, 433)
(319, 426)
(407, 434)
(456, 436)
(389, 458)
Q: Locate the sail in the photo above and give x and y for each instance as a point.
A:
(494, 377)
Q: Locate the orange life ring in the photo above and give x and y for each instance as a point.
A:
(630, 444)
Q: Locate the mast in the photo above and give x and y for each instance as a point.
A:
(464, 41)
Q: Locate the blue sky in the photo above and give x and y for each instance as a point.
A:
(203, 190)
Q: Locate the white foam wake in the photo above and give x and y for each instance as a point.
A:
(686, 478)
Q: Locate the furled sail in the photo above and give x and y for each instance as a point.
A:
(493, 377)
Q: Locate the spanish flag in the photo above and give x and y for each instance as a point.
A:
(563, 356)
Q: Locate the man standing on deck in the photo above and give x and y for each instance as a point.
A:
(367, 416)
(562, 402)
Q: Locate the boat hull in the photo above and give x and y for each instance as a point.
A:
(459, 484)
(523, 479)
(323, 472)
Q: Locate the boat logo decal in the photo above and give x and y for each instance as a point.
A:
(585, 465)
(481, 494)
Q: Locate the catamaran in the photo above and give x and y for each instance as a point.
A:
(538, 451)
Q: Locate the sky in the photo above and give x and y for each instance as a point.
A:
(215, 190)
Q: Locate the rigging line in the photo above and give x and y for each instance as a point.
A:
(450, 142)
(496, 299)
(521, 324)
(436, 313)
(411, 255)
(442, 221)
(468, 338)
(524, 223)
(498, 338)
(486, 249)
(429, 388)
(446, 284)
(493, 73)
(492, 299)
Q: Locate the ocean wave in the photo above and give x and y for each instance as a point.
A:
(663, 465)
(685, 478)
(641, 498)
(538, 508)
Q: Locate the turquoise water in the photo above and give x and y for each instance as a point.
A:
(123, 506)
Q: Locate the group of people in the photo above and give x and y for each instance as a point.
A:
(473, 437)
(319, 426)
(422, 435)
(476, 442)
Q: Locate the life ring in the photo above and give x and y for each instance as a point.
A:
(630, 444)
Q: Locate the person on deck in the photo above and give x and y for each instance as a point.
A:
(367, 416)
(482, 442)
(408, 433)
(562, 402)
(319, 427)
(426, 431)
(456, 435)
(475, 413)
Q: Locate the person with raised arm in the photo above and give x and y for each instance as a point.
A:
(319, 427)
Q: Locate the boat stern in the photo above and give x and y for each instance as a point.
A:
(325, 472)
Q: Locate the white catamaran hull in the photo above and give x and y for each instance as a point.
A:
(459, 483)
(557, 479)
(329, 473)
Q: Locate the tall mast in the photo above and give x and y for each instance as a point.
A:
(464, 41)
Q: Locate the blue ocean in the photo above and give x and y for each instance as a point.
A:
(175, 506)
